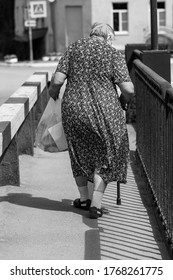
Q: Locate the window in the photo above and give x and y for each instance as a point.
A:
(120, 17)
(161, 14)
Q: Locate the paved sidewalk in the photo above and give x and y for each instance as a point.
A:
(38, 222)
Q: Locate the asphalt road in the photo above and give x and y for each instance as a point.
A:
(12, 77)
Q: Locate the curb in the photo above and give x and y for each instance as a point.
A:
(40, 63)
(30, 64)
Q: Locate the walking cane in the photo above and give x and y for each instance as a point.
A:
(118, 194)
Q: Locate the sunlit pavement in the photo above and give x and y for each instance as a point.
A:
(39, 222)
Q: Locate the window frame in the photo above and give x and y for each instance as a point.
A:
(159, 11)
(120, 12)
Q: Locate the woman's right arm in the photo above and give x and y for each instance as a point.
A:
(56, 84)
(61, 73)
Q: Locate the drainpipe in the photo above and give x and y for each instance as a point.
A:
(154, 31)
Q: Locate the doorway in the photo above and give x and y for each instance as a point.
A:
(74, 24)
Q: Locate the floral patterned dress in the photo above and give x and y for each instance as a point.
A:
(92, 116)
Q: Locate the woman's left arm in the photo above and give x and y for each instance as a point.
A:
(56, 84)
(127, 89)
(127, 93)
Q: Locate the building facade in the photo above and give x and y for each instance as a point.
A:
(68, 20)
(131, 19)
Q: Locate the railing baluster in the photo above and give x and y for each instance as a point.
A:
(154, 117)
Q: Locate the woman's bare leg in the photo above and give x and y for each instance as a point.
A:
(82, 183)
(99, 189)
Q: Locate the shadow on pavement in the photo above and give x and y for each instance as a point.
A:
(148, 202)
(26, 199)
(128, 231)
(92, 243)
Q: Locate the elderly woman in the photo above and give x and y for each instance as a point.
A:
(92, 113)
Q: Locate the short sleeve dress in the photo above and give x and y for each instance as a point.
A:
(92, 116)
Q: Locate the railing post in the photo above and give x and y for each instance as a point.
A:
(9, 171)
(154, 31)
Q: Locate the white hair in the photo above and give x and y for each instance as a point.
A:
(102, 30)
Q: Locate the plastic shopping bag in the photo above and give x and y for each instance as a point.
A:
(50, 134)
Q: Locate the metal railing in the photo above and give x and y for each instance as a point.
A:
(154, 130)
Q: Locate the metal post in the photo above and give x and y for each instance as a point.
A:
(30, 34)
(154, 31)
(52, 14)
(30, 43)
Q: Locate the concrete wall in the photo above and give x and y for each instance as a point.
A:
(138, 19)
(19, 117)
(169, 13)
(19, 17)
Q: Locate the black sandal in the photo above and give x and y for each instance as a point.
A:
(85, 205)
(95, 212)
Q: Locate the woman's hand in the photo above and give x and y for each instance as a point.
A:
(56, 84)
(124, 102)
(54, 91)
(127, 92)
